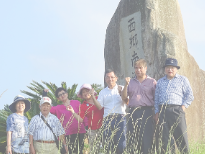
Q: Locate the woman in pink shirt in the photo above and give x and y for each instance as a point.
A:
(74, 130)
(89, 110)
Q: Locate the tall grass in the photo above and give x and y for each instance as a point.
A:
(195, 147)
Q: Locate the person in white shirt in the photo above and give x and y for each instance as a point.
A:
(44, 139)
(114, 114)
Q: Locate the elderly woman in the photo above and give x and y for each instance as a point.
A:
(89, 110)
(74, 130)
(17, 127)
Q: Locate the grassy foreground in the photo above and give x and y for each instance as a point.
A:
(195, 148)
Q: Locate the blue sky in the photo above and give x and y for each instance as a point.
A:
(55, 41)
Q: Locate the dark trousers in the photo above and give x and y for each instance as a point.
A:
(172, 126)
(75, 143)
(114, 134)
(140, 131)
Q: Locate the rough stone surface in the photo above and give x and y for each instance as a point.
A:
(162, 35)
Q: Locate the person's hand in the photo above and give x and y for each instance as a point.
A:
(46, 90)
(8, 150)
(127, 80)
(183, 107)
(119, 88)
(32, 150)
(70, 108)
(156, 118)
(92, 92)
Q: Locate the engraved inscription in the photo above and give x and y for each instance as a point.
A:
(131, 25)
(133, 41)
(134, 58)
(130, 44)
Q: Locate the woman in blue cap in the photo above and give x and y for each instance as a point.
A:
(17, 127)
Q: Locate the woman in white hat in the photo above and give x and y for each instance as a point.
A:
(89, 110)
(17, 127)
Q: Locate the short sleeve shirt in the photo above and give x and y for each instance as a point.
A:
(18, 125)
(69, 123)
(141, 94)
(112, 102)
(94, 115)
(40, 131)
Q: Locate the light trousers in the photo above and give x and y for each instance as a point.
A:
(45, 148)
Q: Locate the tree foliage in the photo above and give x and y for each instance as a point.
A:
(3, 116)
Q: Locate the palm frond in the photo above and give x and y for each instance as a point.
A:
(6, 108)
(72, 91)
(97, 87)
(35, 88)
(34, 96)
(51, 87)
(64, 85)
(39, 85)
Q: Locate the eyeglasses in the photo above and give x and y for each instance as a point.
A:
(61, 94)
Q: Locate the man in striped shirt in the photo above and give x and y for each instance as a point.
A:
(44, 140)
(173, 95)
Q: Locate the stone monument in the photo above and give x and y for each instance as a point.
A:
(153, 30)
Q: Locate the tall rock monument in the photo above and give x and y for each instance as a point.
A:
(153, 30)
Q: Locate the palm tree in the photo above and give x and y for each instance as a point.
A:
(38, 88)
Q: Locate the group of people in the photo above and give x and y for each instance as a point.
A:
(123, 118)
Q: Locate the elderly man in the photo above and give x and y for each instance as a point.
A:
(140, 91)
(114, 112)
(44, 130)
(173, 95)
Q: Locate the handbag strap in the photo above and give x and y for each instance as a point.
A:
(56, 140)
